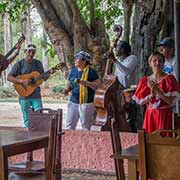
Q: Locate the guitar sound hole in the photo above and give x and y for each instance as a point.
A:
(32, 81)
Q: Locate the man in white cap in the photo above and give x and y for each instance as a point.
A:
(25, 66)
(82, 83)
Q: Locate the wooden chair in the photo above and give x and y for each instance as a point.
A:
(119, 154)
(159, 155)
(51, 157)
(40, 121)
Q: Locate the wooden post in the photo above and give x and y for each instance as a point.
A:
(177, 41)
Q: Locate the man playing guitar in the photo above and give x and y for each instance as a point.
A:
(25, 66)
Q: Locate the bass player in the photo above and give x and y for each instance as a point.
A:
(25, 66)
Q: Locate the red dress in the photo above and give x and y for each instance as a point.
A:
(158, 114)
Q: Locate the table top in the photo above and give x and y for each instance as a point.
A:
(10, 137)
(131, 152)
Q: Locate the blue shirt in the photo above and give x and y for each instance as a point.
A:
(75, 74)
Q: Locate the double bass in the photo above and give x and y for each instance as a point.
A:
(109, 102)
(109, 99)
(4, 58)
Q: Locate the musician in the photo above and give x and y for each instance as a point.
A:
(25, 66)
(125, 65)
(82, 82)
(5, 62)
(158, 91)
(126, 71)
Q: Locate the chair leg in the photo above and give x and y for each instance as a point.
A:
(30, 156)
(116, 144)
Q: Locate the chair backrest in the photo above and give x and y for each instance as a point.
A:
(52, 144)
(159, 154)
(42, 120)
(175, 121)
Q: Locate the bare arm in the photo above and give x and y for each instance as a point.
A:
(92, 84)
(67, 89)
(167, 99)
(17, 81)
(156, 91)
(13, 56)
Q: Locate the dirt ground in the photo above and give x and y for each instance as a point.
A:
(10, 113)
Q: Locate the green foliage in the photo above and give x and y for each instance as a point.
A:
(7, 92)
(50, 52)
(14, 8)
(57, 89)
(107, 9)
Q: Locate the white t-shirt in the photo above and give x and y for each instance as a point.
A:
(170, 67)
(126, 70)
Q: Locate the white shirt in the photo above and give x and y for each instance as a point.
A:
(170, 67)
(126, 70)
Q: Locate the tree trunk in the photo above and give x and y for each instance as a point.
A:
(148, 20)
(44, 57)
(127, 11)
(7, 46)
(168, 26)
(27, 29)
(65, 25)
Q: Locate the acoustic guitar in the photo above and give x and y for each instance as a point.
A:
(36, 79)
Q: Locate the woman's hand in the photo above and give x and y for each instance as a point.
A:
(153, 85)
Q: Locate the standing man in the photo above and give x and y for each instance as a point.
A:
(126, 71)
(82, 82)
(166, 48)
(125, 65)
(25, 66)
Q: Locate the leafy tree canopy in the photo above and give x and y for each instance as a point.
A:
(14, 8)
(108, 9)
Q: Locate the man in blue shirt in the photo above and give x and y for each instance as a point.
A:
(82, 82)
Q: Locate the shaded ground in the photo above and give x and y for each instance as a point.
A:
(65, 176)
(86, 176)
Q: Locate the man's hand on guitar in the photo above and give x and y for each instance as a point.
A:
(24, 82)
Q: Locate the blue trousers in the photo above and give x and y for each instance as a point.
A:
(26, 104)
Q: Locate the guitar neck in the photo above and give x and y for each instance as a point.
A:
(10, 52)
(43, 76)
(49, 72)
(21, 40)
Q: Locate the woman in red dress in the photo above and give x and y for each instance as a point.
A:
(159, 92)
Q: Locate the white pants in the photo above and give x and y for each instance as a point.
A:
(84, 112)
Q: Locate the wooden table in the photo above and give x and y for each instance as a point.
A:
(13, 142)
